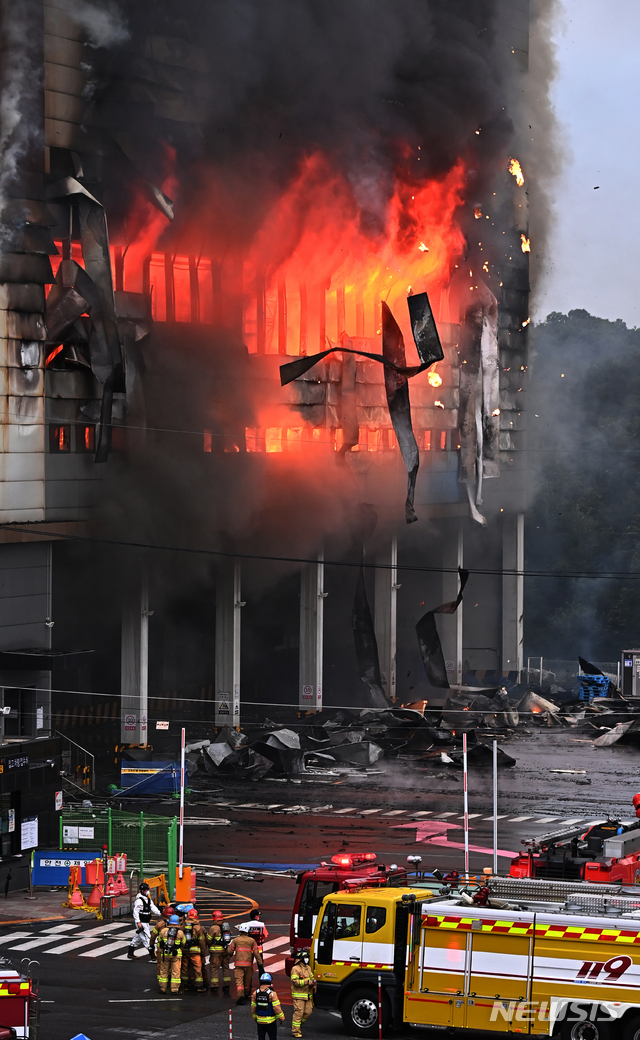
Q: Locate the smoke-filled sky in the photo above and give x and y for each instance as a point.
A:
(592, 256)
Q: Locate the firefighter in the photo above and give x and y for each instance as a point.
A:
(303, 986)
(243, 949)
(194, 949)
(218, 939)
(169, 953)
(167, 911)
(143, 908)
(266, 1009)
(258, 930)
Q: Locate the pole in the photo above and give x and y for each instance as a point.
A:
(495, 807)
(230, 1025)
(379, 1007)
(180, 868)
(466, 808)
(141, 846)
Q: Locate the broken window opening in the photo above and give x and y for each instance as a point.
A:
(59, 439)
(86, 439)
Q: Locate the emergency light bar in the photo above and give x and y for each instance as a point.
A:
(353, 859)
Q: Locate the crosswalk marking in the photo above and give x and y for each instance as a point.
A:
(57, 928)
(368, 812)
(568, 823)
(278, 966)
(339, 812)
(548, 819)
(102, 951)
(443, 814)
(280, 941)
(520, 819)
(471, 816)
(34, 943)
(415, 815)
(497, 817)
(14, 935)
(395, 812)
(75, 945)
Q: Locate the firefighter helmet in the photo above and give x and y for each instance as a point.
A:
(217, 915)
(167, 911)
(143, 887)
(174, 919)
(265, 977)
(192, 914)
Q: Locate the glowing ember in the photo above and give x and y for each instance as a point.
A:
(496, 411)
(423, 248)
(485, 266)
(525, 323)
(516, 170)
(438, 404)
(434, 379)
(525, 243)
(477, 212)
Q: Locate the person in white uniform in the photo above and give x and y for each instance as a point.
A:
(258, 931)
(143, 909)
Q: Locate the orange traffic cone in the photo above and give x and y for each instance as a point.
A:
(94, 873)
(75, 895)
(110, 890)
(121, 885)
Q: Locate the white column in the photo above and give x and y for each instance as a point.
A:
(451, 625)
(134, 663)
(513, 593)
(228, 630)
(385, 615)
(312, 597)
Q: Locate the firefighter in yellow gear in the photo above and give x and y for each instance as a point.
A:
(266, 1009)
(218, 940)
(168, 950)
(303, 986)
(244, 949)
(194, 950)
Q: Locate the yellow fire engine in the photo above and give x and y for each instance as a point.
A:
(531, 966)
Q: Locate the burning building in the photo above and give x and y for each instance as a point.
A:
(191, 197)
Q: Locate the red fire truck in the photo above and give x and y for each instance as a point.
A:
(344, 870)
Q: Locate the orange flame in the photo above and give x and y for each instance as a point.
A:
(434, 379)
(525, 243)
(438, 404)
(516, 170)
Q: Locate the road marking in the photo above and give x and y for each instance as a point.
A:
(73, 946)
(339, 812)
(144, 1000)
(568, 822)
(395, 812)
(59, 928)
(503, 817)
(102, 951)
(368, 812)
(548, 819)
(415, 815)
(443, 814)
(519, 819)
(471, 816)
(33, 943)
(15, 935)
(278, 966)
(102, 928)
(280, 941)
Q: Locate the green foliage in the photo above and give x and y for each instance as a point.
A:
(584, 443)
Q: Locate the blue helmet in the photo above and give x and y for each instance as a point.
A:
(174, 919)
(265, 977)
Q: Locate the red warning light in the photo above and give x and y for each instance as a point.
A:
(353, 859)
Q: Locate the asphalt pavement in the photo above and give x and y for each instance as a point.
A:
(88, 986)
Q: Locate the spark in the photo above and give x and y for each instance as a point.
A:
(525, 323)
(526, 244)
(434, 379)
(496, 411)
(477, 212)
(423, 248)
(485, 266)
(438, 404)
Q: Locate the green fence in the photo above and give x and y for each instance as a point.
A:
(150, 842)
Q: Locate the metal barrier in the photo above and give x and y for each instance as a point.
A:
(149, 842)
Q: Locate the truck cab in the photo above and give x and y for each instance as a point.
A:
(342, 872)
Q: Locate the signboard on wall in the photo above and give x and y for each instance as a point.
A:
(58, 802)
(29, 832)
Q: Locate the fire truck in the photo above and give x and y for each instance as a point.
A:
(546, 959)
(344, 870)
(607, 851)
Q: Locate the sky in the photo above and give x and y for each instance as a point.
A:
(593, 254)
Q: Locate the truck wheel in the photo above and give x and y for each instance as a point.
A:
(360, 1012)
(632, 1029)
(586, 1029)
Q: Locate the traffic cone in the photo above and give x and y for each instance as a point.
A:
(121, 885)
(110, 890)
(94, 874)
(75, 895)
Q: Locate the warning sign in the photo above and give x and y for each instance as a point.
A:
(223, 707)
(307, 693)
(129, 722)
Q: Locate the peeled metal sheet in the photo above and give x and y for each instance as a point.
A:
(397, 389)
(366, 644)
(429, 640)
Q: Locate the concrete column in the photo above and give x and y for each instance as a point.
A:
(312, 597)
(228, 629)
(385, 616)
(513, 593)
(134, 663)
(450, 625)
